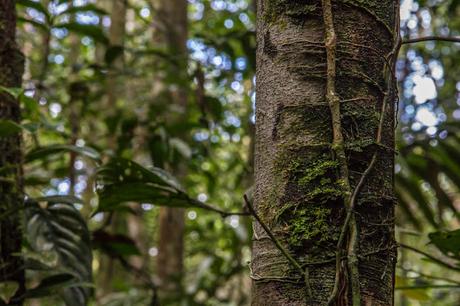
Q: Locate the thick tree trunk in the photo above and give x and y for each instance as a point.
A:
(11, 193)
(324, 152)
(170, 22)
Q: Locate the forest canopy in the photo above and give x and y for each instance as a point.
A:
(164, 152)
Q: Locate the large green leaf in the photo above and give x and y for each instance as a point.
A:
(114, 245)
(56, 230)
(37, 24)
(9, 128)
(411, 186)
(93, 31)
(112, 53)
(36, 5)
(13, 91)
(84, 9)
(425, 168)
(447, 242)
(46, 151)
(123, 180)
(49, 285)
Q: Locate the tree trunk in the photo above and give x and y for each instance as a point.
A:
(170, 21)
(324, 152)
(114, 88)
(11, 190)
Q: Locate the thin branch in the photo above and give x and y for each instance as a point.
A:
(431, 257)
(446, 286)
(434, 277)
(279, 246)
(277, 243)
(432, 38)
(223, 213)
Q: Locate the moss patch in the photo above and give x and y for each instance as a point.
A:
(309, 226)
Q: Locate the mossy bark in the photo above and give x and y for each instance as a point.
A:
(11, 194)
(302, 189)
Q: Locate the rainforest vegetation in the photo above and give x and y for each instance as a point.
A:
(230, 152)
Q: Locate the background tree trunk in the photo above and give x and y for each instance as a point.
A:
(11, 193)
(114, 88)
(323, 79)
(170, 32)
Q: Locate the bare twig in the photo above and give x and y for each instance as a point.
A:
(223, 213)
(427, 287)
(279, 246)
(434, 277)
(431, 38)
(277, 243)
(431, 257)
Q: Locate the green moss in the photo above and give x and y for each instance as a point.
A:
(309, 225)
(317, 170)
(360, 144)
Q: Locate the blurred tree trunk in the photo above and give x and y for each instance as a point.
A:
(323, 82)
(170, 32)
(77, 92)
(11, 186)
(46, 45)
(114, 90)
(113, 87)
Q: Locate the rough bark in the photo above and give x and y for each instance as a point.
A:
(11, 194)
(324, 152)
(170, 33)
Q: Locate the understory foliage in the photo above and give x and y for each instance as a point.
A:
(95, 177)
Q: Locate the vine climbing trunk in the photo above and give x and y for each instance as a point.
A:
(170, 33)
(11, 193)
(324, 153)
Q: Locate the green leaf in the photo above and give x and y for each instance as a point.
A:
(112, 53)
(14, 91)
(406, 208)
(414, 294)
(35, 5)
(411, 187)
(84, 8)
(9, 128)
(49, 284)
(448, 242)
(181, 147)
(122, 180)
(43, 152)
(67, 199)
(37, 24)
(57, 230)
(30, 104)
(7, 290)
(115, 245)
(93, 31)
